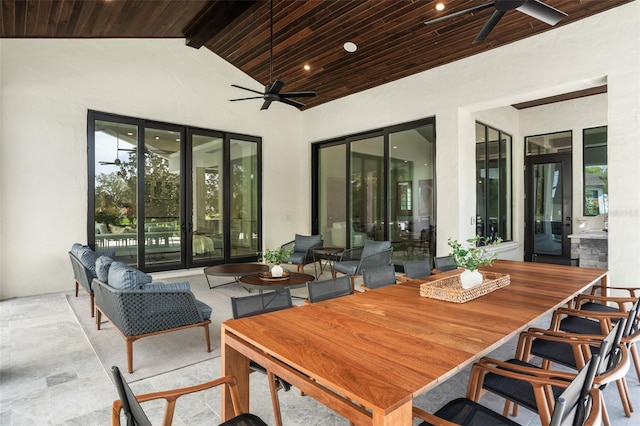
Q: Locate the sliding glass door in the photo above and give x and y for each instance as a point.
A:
(166, 196)
(378, 186)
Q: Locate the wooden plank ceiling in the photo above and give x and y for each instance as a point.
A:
(393, 41)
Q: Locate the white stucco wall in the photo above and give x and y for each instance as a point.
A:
(46, 87)
(604, 48)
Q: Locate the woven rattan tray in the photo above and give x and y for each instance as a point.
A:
(450, 289)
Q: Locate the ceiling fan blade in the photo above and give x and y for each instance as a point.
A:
(266, 104)
(275, 87)
(489, 26)
(542, 12)
(244, 99)
(297, 94)
(462, 12)
(291, 102)
(244, 88)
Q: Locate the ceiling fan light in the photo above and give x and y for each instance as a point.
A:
(439, 6)
(350, 47)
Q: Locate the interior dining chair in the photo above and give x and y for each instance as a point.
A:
(328, 289)
(578, 404)
(379, 277)
(260, 304)
(129, 403)
(417, 268)
(496, 377)
(571, 350)
(444, 263)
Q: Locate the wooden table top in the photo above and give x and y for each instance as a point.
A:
(381, 347)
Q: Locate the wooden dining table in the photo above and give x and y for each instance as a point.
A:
(367, 355)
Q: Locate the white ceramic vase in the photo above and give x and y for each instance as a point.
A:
(276, 271)
(470, 279)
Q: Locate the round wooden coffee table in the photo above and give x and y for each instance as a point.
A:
(235, 270)
(295, 280)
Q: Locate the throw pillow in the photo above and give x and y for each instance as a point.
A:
(86, 256)
(125, 277)
(103, 264)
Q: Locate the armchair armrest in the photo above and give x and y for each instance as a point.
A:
(288, 246)
(603, 318)
(621, 302)
(351, 254)
(171, 397)
(632, 291)
(376, 260)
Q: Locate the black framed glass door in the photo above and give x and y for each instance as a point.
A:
(165, 196)
(548, 208)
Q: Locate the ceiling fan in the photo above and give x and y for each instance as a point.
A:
(117, 161)
(534, 8)
(272, 90)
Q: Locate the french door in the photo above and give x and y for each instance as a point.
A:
(165, 196)
(548, 208)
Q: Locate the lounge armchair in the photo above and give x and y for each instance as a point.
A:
(83, 262)
(373, 254)
(140, 309)
(302, 250)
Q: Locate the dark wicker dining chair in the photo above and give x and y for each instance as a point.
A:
(263, 303)
(379, 277)
(444, 263)
(328, 289)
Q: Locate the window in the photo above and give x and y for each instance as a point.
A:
(493, 183)
(596, 193)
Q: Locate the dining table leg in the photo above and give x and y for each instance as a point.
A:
(234, 364)
(401, 415)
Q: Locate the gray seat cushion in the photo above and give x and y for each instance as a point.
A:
(297, 257)
(348, 267)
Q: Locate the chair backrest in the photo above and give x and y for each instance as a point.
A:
(379, 277)
(130, 406)
(445, 263)
(305, 242)
(329, 289)
(610, 349)
(573, 405)
(261, 303)
(417, 268)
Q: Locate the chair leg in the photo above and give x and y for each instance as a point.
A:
(207, 337)
(274, 398)
(605, 414)
(353, 282)
(77, 285)
(92, 302)
(129, 354)
(624, 397)
(98, 319)
(301, 268)
(636, 360)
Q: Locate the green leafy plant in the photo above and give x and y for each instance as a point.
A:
(275, 256)
(475, 255)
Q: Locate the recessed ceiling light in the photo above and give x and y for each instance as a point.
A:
(439, 6)
(306, 67)
(350, 47)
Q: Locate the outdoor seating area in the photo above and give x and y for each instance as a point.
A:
(137, 307)
(605, 401)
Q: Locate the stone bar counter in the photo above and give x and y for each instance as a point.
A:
(591, 248)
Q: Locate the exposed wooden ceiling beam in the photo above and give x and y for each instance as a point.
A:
(563, 97)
